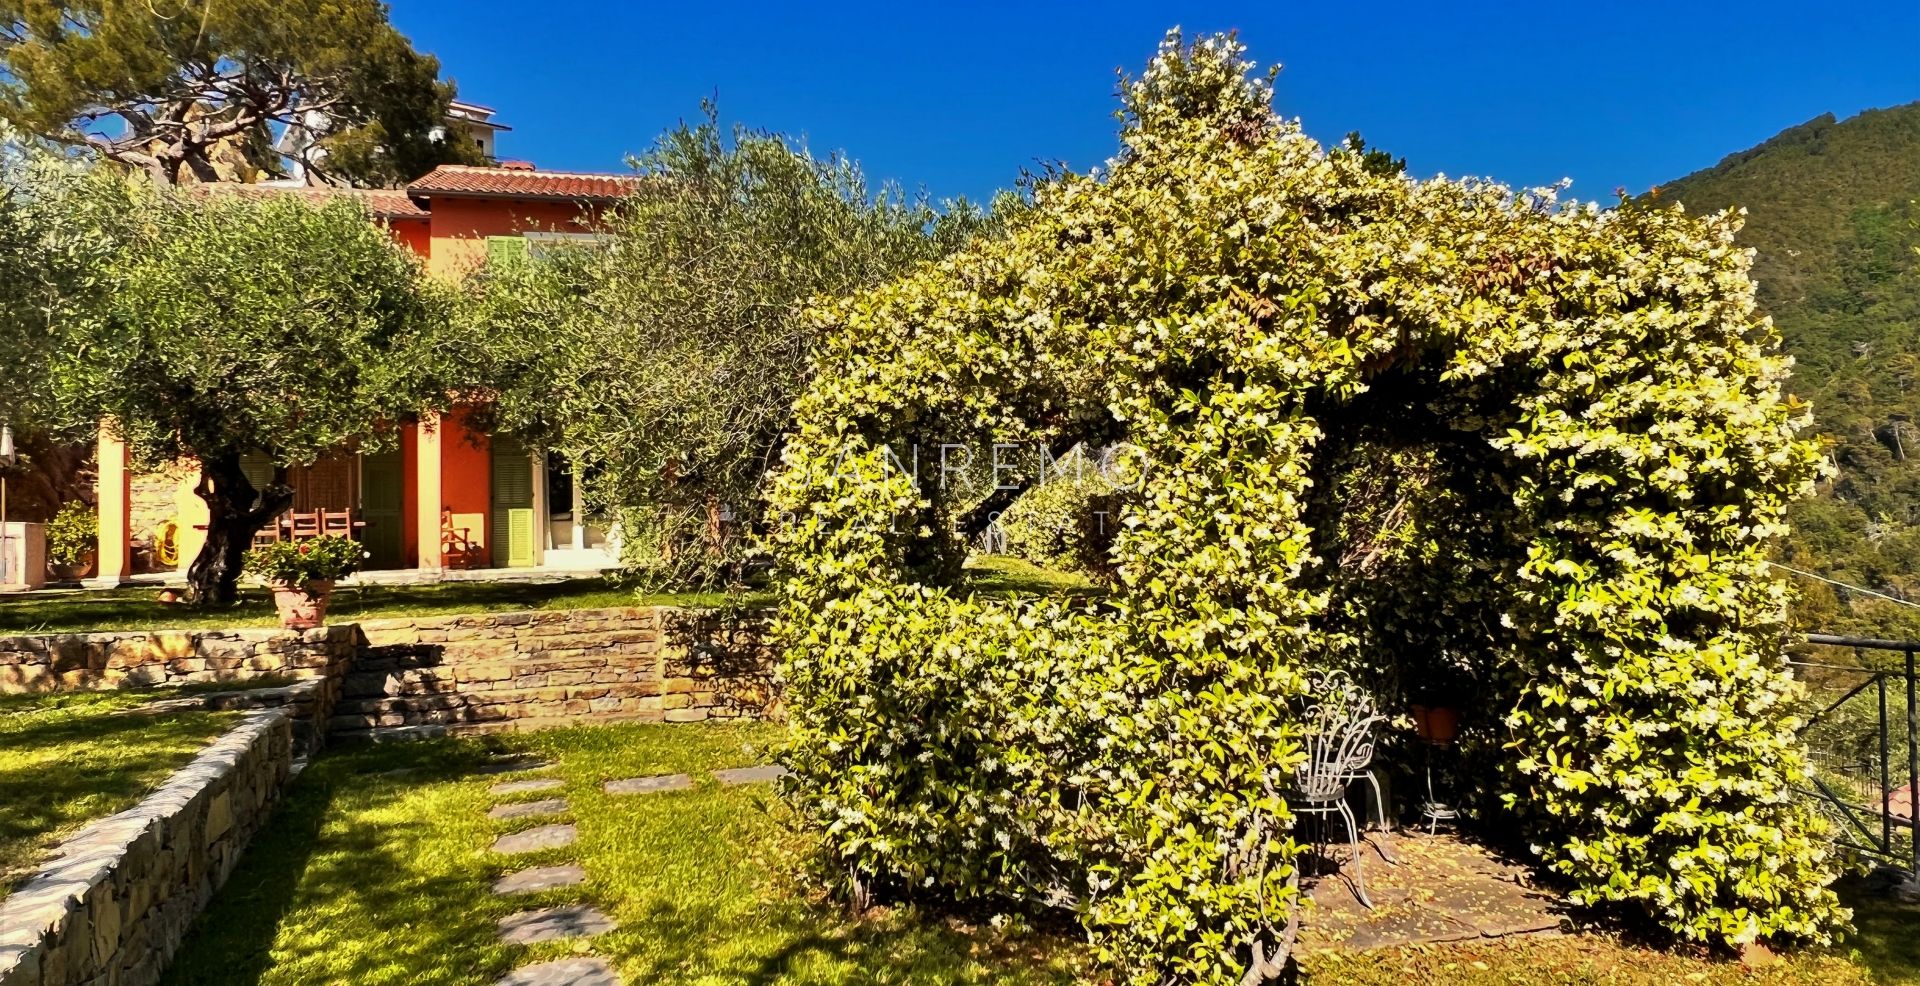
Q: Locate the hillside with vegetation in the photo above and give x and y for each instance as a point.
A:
(1834, 213)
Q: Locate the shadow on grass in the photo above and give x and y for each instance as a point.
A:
(332, 861)
(140, 608)
(1886, 932)
(63, 765)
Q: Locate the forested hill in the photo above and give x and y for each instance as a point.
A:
(1834, 211)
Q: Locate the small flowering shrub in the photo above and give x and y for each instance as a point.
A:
(309, 560)
(1068, 519)
(1609, 452)
(73, 535)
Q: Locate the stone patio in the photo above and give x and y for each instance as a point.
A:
(1446, 888)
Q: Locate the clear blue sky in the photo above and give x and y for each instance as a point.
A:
(958, 100)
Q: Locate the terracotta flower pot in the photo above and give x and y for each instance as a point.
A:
(74, 572)
(302, 607)
(1437, 724)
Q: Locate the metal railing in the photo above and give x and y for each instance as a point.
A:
(1863, 734)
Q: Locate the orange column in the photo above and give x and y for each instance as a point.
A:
(428, 433)
(114, 500)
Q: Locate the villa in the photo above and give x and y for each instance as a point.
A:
(451, 495)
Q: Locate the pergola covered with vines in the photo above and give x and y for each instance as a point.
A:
(1600, 450)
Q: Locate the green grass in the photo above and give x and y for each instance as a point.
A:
(1883, 951)
(376, 870)
(67, 759)
(1005, 575)
(1575, 960)
(140, 609)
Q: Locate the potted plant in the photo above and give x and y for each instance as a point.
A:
(73, 542)
(1436, 689)
(301, 575)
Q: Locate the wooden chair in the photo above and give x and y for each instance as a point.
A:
(306, 524)
(267, 535)
(337, 522)
(457, 549)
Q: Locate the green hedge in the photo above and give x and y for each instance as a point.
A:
(1241, 305)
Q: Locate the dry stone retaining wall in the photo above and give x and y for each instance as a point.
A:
(533, 669)
(318, 659)
(115, 904)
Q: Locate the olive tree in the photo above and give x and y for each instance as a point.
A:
(667, 358)
(235, 326)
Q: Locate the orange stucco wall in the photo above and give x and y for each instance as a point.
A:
(466, 471)
(461, 227)
(414, 234)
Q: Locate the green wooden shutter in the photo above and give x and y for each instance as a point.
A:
(520, 537)
(506, 249)
(382, 485)
(512, 503)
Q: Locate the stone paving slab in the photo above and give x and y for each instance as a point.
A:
(750, 775)
(528, 809)
(649, 785)
(527, 786)
(565, 972)
(1446, 889)
(540, 878)
(548, 923)
(544, 837)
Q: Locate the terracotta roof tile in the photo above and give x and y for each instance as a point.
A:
(463, 180)
(383, 203)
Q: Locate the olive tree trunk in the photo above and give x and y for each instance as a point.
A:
(235, 511)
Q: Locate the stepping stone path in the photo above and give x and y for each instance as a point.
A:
(648, 785)
(566, 972)
(528, 809)
(750, 775)
(528, 787)
(544, 837)
(539, 878)
(547, 924)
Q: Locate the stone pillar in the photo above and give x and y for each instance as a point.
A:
(427, 489)
(114, 500)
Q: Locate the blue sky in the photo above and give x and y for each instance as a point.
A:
(959, 100)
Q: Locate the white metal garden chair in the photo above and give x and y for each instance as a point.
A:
(1335, 739)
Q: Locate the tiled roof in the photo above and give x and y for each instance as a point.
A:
(519, 183)
(383, 203)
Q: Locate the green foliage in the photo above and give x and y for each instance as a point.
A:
(60, 224)
(238, 325)
(225, 325)
(669, 357)
(1834, 218)
(199, 85)
(307, 560)
(1068, 519)
(73, 534)
(1597, 403)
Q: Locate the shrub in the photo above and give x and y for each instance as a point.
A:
(73, 535)
(1606, 419)
(309, 560)
(1067, 520)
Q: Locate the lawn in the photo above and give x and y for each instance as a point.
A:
(376, 870)
(68, 759)
(140, 609)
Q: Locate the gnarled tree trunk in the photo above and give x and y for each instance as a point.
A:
(233, 515)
